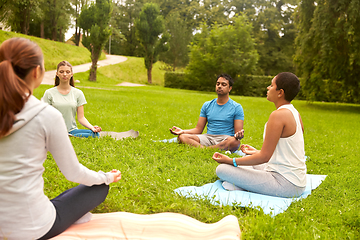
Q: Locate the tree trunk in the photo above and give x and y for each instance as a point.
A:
(93, 69)
(174, 65)
(54, 32)
(54, 23)
(60, 35)
(42, 33)
(94, 59)
(149, 75)
(24, 24)
(77, 34)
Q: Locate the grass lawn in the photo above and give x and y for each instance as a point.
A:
(132, 70)
(152, 170)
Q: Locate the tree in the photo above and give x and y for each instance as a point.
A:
(52, 21)
(94, 20)
(180, 36)
(77, 6)
(150, 30)
(123, 22)
(19, 13)
(222, 49)
(189, 10)
(275, 34)
(213, 11)
(328, 50)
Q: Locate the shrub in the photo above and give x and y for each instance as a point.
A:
(175, 80)
(247, 85)
(252, 85)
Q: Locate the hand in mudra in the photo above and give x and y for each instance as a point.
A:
(247, 149)
(176, 131)
(239, 135)
(221, 158)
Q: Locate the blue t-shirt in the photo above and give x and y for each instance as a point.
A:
(220, 118)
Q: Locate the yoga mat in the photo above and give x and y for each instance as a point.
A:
(120, 135)
(159, 226)
(171, 140)
(216, 194)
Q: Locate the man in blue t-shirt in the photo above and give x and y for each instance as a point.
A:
(224, 118)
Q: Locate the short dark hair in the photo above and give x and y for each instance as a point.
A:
(288, 82)
(227, 77)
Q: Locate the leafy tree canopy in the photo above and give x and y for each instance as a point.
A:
(150, 30)
(94, 20)
(222, 49)
(328, 50)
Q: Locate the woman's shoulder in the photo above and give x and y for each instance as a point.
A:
(279, 115)
(51, 90)
(76, 91)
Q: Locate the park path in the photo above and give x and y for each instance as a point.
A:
(110, 59)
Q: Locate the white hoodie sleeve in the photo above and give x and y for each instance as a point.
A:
(59, 145)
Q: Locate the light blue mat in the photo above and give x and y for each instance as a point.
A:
(217, 195)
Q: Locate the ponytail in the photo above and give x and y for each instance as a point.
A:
(17, 57)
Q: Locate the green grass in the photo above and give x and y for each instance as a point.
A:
(55, 52)
(132, 70)
(152, 170)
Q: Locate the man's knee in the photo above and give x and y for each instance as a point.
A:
(231, 144)
(182, 138)
(185, 138)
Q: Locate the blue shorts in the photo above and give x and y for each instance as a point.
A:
(84, 133)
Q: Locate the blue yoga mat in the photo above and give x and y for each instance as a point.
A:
(217, 195)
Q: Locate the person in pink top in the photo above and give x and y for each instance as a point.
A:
(279, 168)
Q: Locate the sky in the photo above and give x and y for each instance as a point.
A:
(69, 33)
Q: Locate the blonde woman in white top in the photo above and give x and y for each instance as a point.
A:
(279, 168)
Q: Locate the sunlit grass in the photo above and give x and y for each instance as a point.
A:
(132, 70)
(55, 52)
(152, 170)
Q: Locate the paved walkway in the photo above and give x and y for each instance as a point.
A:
(49, 76)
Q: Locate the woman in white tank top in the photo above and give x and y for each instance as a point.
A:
(279, 168)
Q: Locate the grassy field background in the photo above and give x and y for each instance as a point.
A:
(152, 170)
(132, 70)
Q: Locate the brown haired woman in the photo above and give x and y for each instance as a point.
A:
(28, 130)
(70, 101)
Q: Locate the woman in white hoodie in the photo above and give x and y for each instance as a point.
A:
(28, 130)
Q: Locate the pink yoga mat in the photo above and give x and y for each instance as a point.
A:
(160, 226)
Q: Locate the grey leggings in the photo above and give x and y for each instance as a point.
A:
(256, 179)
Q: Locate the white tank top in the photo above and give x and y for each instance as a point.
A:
(288, 158)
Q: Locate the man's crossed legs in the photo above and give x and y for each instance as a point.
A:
(223, 142)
